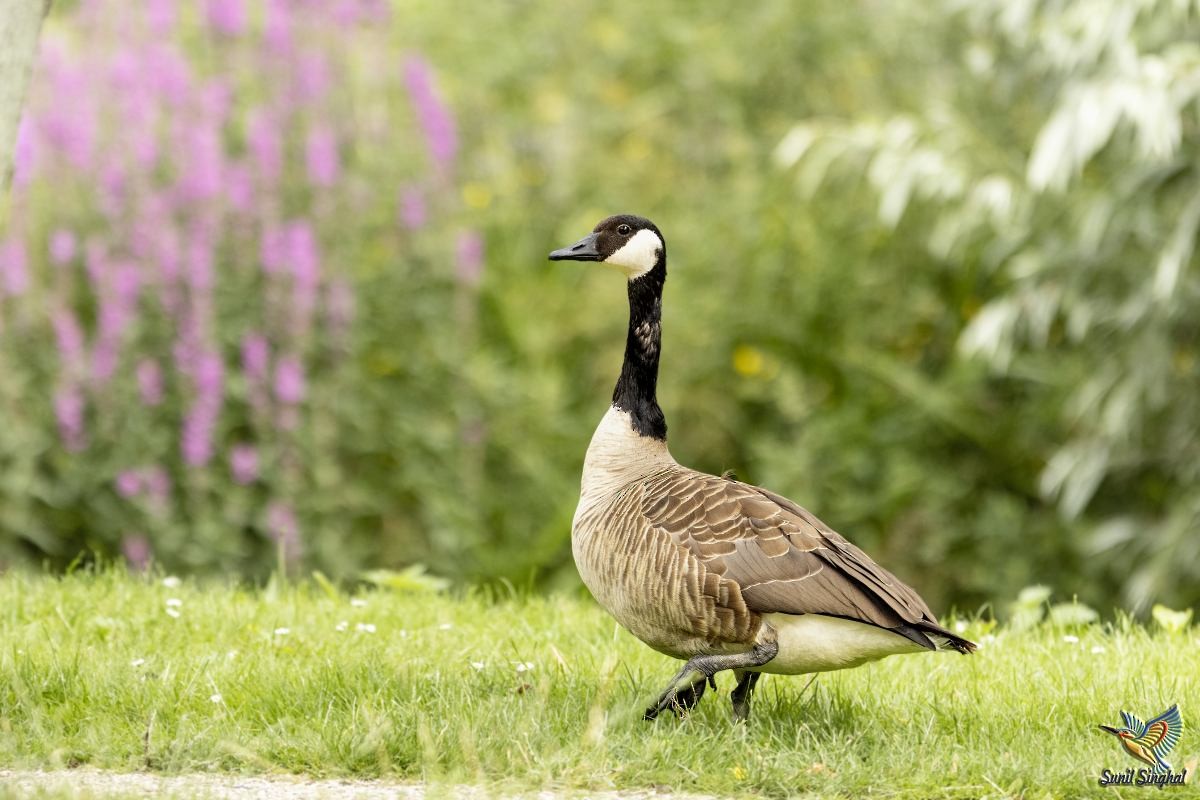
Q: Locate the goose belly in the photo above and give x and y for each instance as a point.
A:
(816, 643)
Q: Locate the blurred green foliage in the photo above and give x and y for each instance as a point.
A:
(820, 309)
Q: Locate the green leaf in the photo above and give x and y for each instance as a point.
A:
(1029, 607)
(1170, 620)
(1033, 596)
(412, 579)
(325, 584)
(1072, 615)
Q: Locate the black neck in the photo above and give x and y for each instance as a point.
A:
(636, 388)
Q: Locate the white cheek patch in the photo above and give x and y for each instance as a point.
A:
(639, 255)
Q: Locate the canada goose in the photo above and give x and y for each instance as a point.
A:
(721, 574)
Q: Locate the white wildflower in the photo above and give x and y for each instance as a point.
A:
(959, 626)
(171, 582)
(137, 662)
(341, 626)
(174, 602)
(365, 627)
(173, 612)
(358, 602)
(524, 666)
(445, 626)
(231, 655)
(1097, 649)
(282, 631)
(478, 666)
(1069, 639)
(403, 634)
(216, 697)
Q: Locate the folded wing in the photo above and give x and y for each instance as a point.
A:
(782, 558)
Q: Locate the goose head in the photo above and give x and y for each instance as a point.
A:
(630, 243)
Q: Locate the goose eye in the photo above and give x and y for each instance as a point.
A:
(624, 229)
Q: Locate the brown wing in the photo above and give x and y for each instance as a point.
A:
(782, 558)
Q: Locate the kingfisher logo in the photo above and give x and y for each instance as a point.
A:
(1148, 742)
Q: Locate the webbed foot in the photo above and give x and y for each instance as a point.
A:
(687, 687)
(682, 700)
(741, 694)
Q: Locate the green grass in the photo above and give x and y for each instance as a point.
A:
(93, 670)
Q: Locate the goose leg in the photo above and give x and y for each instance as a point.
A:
(699, 669)
(741, 694)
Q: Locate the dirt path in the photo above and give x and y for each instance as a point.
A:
(89, 783)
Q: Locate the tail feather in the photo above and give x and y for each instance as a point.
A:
(947, 640)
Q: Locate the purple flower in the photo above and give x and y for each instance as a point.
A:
(186, 350)
(68, 409)
(161, 16)
(69, 125)
(433, 117)
(126, 284)
(239, 188)
(200, 423)
(272, 249)
(283, 528)
(468, 267)
(105, 355)
(112, 186)
(150, 382)
(169, 72)
(377, 10)
(197, 434)
(62, 247)
(157, 484)
(23, 153)
(256, 355)
(210, 375)
(304, 259)
(96, 263)
(153, 236)
(413, 212)
(216, 99)
(129, 483)
(226, 16)
(345, 12)
(312, 78)
(167, 251)
(202, 158)
(140, 111)
(118, 301)
(143, 142)
(69, 337)
(123, 75)
(14, 268)
(136, 549)
(199, 262)
(289, 380)
(303, 253)
(277, 26)
(265, 145)
(321, 157)
(243, 463)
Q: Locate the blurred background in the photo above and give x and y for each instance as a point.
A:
(274, 290)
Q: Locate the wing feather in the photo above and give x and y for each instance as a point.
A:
(1162, 732)
(781, 557)
(1133, 724)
